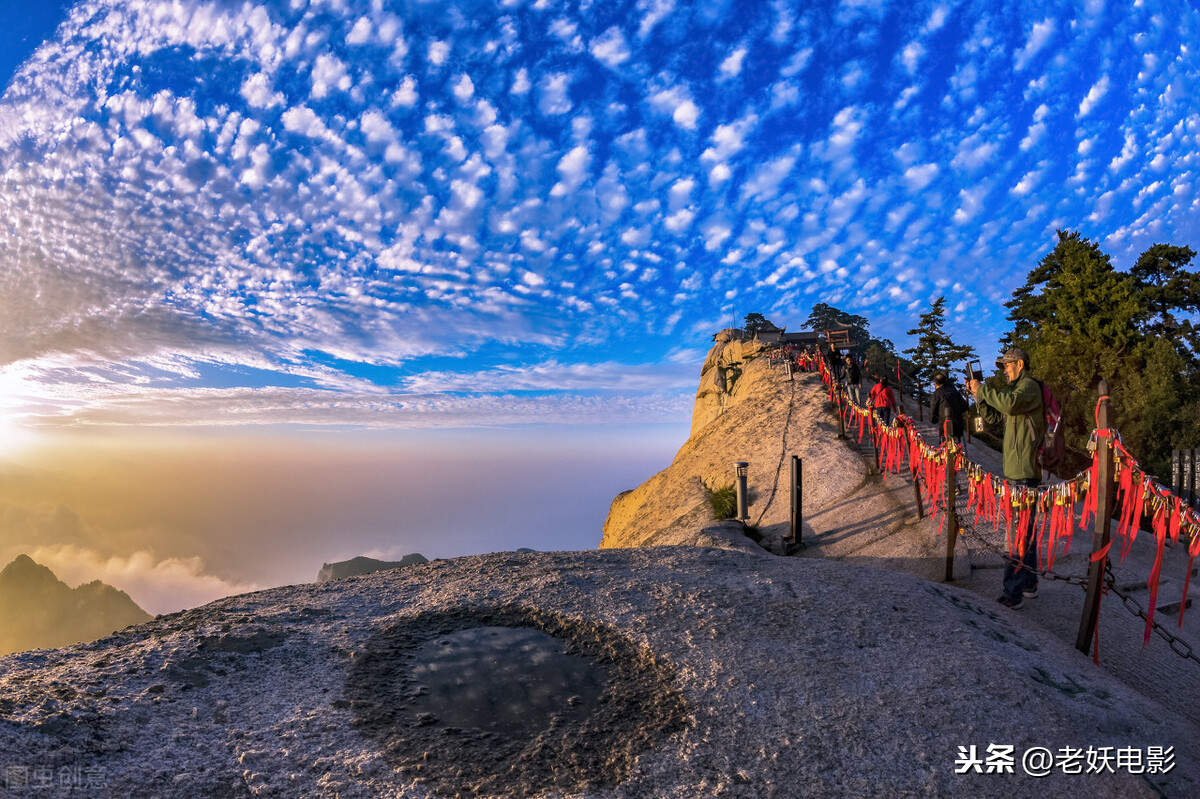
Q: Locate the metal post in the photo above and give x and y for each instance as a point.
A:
(951, 505)
(917, 494)
(1104, 489)
(1189, 476)
(841, 418)
(878, 450)
(740, 468)
(1177, 474)
(797, 517)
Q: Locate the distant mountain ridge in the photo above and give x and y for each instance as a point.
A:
(364, 565)
(39, 611)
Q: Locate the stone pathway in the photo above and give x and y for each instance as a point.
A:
(876, 524)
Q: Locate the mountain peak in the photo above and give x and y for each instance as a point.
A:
(39, 610)
(25, 570)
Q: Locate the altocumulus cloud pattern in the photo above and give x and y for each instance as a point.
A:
(440, 213)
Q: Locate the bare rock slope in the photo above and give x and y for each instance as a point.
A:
(720, 673)
(764, 418)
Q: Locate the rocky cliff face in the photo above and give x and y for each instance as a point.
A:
(727, 361)
(744, 411)
(39, 611)
(364, 565)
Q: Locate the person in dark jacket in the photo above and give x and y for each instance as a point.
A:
(947, 405)
(853, 379)
(1019, 404)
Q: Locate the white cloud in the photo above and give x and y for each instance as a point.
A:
(970, 204)
(911, 56)
(905, 98)
(765, 181)
(715, 232)
(572, 170)
(376, 127)
(361, 32)
(1033, 136)
(406, 93)
(437, 52)
(677, 102)
(328, 74)
(611, 48)
(303, 120)
(521, 84)
(463, 88)
(784, 94)
(553, 99)
(686, 114)
(731, 67)
(1094, 95)
(636, 237)
(157, 585)
(1039, 37)
(973, 153)
(679, 221)
(854, 76)
(1127, 153)
(797, 62)
(1027, 183)
(653, 12)
(256, 90)
(729, 139)
(680, 194)
(937, 19)
(918, 177)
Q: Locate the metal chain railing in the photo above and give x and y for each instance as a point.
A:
(1178, 645)
(970, 528)
(965, 513)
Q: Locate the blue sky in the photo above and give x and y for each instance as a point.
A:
(446, 214)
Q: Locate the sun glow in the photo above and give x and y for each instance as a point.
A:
(15, 435)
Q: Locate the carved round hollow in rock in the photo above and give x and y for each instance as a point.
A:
(511, 701)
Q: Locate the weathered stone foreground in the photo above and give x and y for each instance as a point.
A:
(760, 677)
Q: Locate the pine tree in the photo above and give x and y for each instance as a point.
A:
(935, 350)
(755, 323)
(1081, 320)
(826, 317)
(1084, 319)
(1168, 288)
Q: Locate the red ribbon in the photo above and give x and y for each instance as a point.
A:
(1160, 535)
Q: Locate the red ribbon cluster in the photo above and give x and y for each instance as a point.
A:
(1052, 508)
(1137, 495)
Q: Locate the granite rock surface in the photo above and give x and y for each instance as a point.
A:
(758, 677)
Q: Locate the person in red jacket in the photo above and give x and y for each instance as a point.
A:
(883, 400)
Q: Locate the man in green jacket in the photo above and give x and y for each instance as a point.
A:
(1020, 405)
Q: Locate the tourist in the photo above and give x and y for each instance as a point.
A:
(1020, 405)
(947, 405)
(883, 400)
(853, 379)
